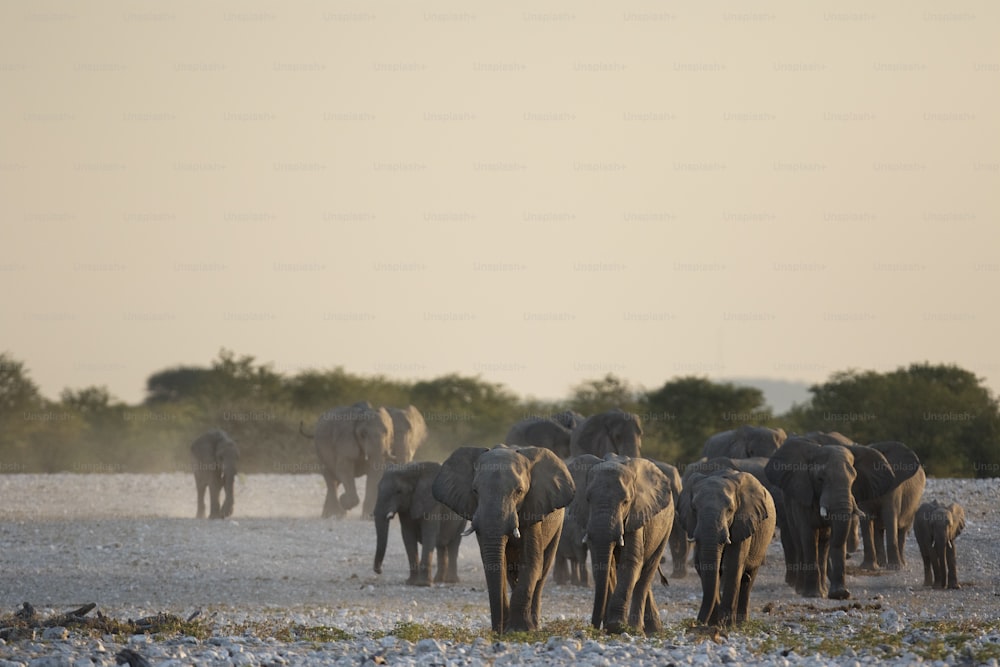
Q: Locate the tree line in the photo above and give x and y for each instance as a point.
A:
(943, 412)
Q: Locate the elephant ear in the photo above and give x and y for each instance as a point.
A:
(423, 503)
(904, 461)
(453, 484)
(685, 503)
(875, 476)
(653, 494)
(959, 514)
(551, 485)
(789, 469)
(579, 469)
(755, 505)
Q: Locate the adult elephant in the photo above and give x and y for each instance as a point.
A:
(405, 491)
(822, 486)
(887, 519)
(744, 442)
(626, 507)
(409, 432)
(754, 465)
(351, 441)
(514, 498)
(936, 526)
(611, 432)
(215, 458)
(550, 432)
(730, 517)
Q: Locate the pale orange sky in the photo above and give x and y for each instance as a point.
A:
(534, 193)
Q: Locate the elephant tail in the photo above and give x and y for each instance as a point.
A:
(302, 431)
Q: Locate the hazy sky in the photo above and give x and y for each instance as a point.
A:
(537, 193)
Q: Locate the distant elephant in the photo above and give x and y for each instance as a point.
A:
(936, 526)
(351, 441)
(887, 518)
(215, 458)
(514, 498)
(626, 507)
(822, 486)
(755, 466)
(405, 491)
(730, 517)
(409, 432)
(744, 442)
(611, 432)
(570, 565)
(677, 543)
(550, 432)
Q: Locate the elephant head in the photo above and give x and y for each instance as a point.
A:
(611, 432)
(505, 492)
(409, 432)
(719, 512)
(403, 489)
(616, 497)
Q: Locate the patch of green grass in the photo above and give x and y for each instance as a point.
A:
(414, 632)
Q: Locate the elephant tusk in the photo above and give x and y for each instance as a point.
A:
(469, 530)
(584, 540)
(516, 534)
(823, 512)
(621, 541)
(390, 515)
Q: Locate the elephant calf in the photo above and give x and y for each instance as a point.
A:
(935, 527)
(405, 491)
(214, 457)
(730, 516)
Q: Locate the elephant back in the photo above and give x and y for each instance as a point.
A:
(611, 432)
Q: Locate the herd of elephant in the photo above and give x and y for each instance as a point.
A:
(565, 486)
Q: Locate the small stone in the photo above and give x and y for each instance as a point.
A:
(55, 633)
(429, 646)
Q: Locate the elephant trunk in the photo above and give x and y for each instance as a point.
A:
(494, 554)
(382, 519)
(228, 479)
(708, 558)
(601, 563)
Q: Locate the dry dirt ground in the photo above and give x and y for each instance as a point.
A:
(131, 544)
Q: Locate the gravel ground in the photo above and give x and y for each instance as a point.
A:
(130, 544)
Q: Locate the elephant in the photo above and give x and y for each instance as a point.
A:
(215, 458)
(677, 543)
(351, 441)
(514, 497)
(935, 526)
(550, 432)
(755, 466)
(744, 442)
(822, 486)
(730, 516)
(570, 566)
(405, 491)
(626, 507)
(611, 432)
(887, 518)
(409, 432)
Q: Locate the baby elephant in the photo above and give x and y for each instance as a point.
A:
(936, 526)
(730, 517)
(215, 458)
(405, 490)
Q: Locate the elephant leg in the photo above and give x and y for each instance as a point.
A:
(200, 487)
(408, 530)
(837, 552)
(561, 570)
(640, 614)
(372, 479)
(938, 563)
(743, 602)
(214, 511)
(809, 579)
(950, 563)
(678, 552)
(429, 539)
(891, 551)
(451, 576)
(331, 506)
(901, 544)
(734, 558)
(868, 540)
(926, 557)
(349, 498)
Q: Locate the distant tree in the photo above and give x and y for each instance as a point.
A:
(181, 382)
(593, 396)
(943, 412)
(685, 411)
(18, 392)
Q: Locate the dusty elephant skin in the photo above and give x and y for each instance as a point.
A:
(935, 529)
